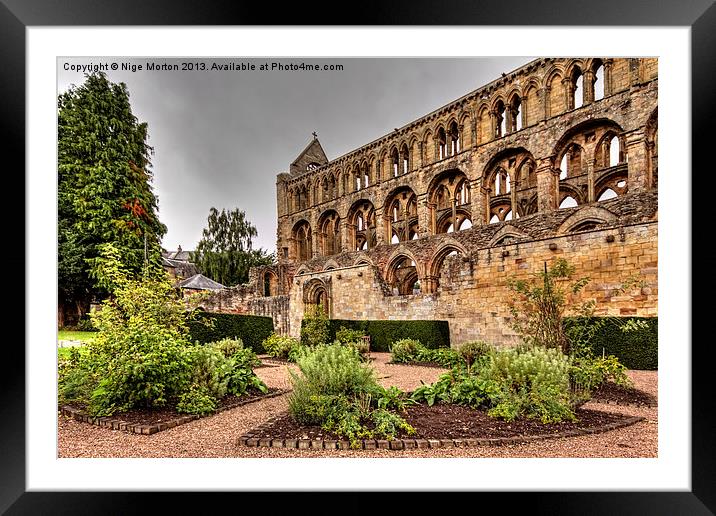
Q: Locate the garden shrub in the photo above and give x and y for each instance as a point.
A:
(210, 327)
(404, 350)
(280, 346)
(472, 350)
(228, 346)
(509, 383)
(315, 327)
(349, 336)
(142, 357)
(197, 400)
(338, 392)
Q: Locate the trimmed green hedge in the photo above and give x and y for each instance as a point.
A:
(635, 349)
(432, 334)
(252, 329)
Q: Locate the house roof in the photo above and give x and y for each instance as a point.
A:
(200, 282)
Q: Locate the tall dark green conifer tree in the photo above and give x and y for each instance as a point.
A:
(104, 189)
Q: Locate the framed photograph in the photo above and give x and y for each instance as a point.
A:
(410, 171)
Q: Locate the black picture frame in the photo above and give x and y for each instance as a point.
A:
(699, 15)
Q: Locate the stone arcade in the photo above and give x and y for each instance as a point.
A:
(558, 158)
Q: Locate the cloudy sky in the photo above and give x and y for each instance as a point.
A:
(221, 136)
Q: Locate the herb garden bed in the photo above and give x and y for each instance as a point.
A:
(152, 420)
(613, 394)
(440, 425)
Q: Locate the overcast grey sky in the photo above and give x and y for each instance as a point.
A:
(220, 137)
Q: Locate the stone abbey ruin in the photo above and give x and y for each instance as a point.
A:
(558, 158)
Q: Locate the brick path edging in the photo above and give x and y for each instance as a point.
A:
(138, 428)
(250, 440)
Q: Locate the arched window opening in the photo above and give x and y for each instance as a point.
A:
(395, 162)
(507, 183)
(364, 247)
(360, 222)
(404, 159)
(357, 183)
(302, 239)
(568, 202)
(577, 88)
(395, 239)
(494, 219)
(614, 152)
(442, 143)
(599, 83)
(396, 211)
(450, 229)
(463, 193)
(607, 194)
(466, 224)
(454, 138)
(267, 285)
(563, 167)
(366, 179)
(584, 226)
(516, 114)
(403, 277)
(500, 119)
(508, 215)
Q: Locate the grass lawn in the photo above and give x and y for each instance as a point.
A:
(75, 335)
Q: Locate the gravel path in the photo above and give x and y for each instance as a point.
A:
(216, 436)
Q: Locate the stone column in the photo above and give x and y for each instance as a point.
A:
(588, 86)
(477, 203)
(608, 76)
(424, 222)
(546, 194)
(567, 91)
(590, 162)
(545, 98)
(637, 161)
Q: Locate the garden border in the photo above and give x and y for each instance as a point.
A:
(249, 440)
(142, 429)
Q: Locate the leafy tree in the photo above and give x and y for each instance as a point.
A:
(104, 191)
(225, 252)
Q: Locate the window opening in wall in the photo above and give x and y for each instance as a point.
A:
(365, 180)
(509, 215)
(364, 247)
(563, 167)
(568, 202)
(450, 229)
(494, 219)
(579, 91)
(466, 224)
(395, 239)
(442, 149)
(614, 151)
(395, 212)
(360, 222)
(621, 184)
(357, 183)
(607, 194)
(599, 83)
(394, 159)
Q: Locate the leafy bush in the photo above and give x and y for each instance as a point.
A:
(141, 356)
(349, 336)
(210, 327)
(197, 400)
(472, 350)
(228, 346)
(405, 350)
(315, 327)
(511, 384)
(410, 350)
(280, 346)
(338, 392)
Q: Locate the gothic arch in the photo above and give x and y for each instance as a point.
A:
(596, 214)
(508, 231)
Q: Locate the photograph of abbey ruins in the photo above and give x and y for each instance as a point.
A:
(418, 257)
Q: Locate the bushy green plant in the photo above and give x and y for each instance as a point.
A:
(197, 400)
(279, 346)
(315, 328)
(337, 391)
(404, 350)
(228, 346)
(209, 370)
(349, 336)
(472, 350)
(510, 384)
(445, 357)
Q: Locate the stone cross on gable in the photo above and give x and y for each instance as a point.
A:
(315, 136)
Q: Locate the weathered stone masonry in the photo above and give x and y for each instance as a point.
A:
(430, 221)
